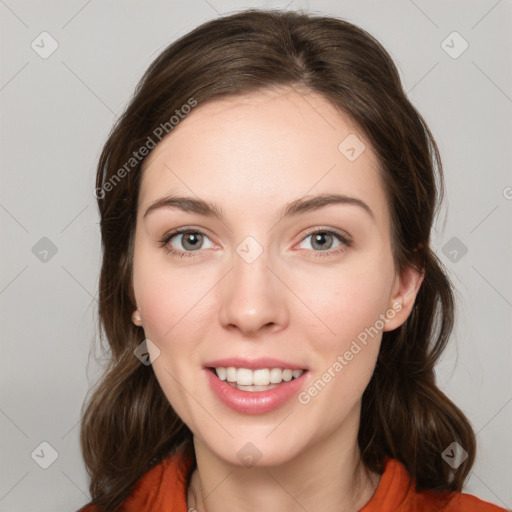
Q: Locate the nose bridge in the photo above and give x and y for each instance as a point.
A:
(252, 296)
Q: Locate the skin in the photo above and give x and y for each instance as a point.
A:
(252, 155)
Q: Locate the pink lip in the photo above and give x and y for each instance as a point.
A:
(254, 364)
(254, 402)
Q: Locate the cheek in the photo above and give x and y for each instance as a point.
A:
(346, 300)
(332, 304)
(346, 352)
(170, 303)
(168, 296)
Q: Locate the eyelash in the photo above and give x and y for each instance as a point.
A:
(164, 242)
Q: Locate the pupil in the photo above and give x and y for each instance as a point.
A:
(194, 236)
(319, 237)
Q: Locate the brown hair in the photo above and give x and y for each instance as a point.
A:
(128, 424)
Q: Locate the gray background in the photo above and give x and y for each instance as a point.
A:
(55, 115)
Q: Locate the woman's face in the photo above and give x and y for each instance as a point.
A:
(259, 277)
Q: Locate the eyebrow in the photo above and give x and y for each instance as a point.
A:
(297, 207)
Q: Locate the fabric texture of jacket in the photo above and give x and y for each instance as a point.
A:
(163, 489)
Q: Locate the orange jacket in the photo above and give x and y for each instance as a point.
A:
(163, 488)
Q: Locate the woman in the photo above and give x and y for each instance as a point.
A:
(272, 305)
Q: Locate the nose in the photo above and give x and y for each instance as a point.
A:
(253, 298)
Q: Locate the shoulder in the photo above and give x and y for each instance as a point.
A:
(163, 487)
(448, 502)
(462, 502)
(397, 492)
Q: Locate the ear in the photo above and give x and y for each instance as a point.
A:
(136, 319)
(405, 289)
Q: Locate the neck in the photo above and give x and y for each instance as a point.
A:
(319, 478)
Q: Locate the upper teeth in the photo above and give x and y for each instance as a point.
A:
(260, 377)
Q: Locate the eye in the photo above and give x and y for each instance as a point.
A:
(324, 239)
(190, 239)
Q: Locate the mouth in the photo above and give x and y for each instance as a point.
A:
(260, 379)
(244, 390)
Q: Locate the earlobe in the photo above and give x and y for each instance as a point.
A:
(136, 319)
(402, 302)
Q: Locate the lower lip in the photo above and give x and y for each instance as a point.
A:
(254, 402)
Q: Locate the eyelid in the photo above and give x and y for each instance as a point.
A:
(316, 229)
(166, 239)
(344, 238)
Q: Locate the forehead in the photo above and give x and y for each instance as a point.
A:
(264, 150)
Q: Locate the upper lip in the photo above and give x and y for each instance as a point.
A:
(254, 364)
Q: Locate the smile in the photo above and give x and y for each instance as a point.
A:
(256, 391)
(249, 380)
